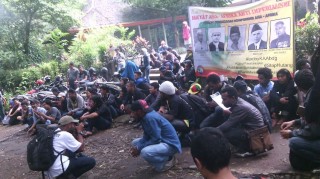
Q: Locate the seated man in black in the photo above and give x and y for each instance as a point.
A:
(243, 117)
(98, 116)
(174, 108)
(154, 93)
(133, 94)
(109, 99)
(141, 82)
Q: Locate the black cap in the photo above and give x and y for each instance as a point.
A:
(240, 84)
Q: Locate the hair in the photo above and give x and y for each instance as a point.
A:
(48, 102)
(266, 72)
(34, 101)
(213, 78)
(155, 85)
(135, 106)
(304, 79)
(131, 83)
(279, 22)
(138, 73)
(96, 100)
(125, 80)
(104, 87)
(239, 86)
(211, 148)
(301, 63)
(71, 91)
(285, 72)
(71, 63)
(54, 89)
(164, 52)
(231, 91)
(92, 90)
(25, 103)
(79, 66)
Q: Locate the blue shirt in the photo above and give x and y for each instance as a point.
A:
(129, 70)
(157, 129)
(262, 91)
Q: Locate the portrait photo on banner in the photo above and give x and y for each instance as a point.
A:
(216, 39)
(258, 36)
(200, 40)
(236, 38)
(280, 33)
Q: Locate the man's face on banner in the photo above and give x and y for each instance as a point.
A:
(256, 35)
(216, 37)
(200, 36)
(235, 37)
(280, 29)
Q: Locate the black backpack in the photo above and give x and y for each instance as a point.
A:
(40, 151)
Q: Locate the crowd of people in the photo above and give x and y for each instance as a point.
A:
(176, 111)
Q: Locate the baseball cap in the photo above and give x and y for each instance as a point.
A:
(194, 88)
(67, 120)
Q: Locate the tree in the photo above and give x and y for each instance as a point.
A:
(28, 21)
(175, 8)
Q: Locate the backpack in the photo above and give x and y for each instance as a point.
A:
(40, 151)
(199, 107)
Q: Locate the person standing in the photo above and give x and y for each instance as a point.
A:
(186, 34)
(146, 64)
(72, 75)
(159, 143)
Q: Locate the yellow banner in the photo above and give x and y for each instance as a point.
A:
(239, 40)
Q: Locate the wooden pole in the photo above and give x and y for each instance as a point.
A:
(139, 31)
(164, 32)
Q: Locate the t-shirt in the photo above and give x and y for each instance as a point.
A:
(62, 140)
(54, 112)
(35, 117)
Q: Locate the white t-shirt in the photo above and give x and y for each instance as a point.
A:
(62, 140)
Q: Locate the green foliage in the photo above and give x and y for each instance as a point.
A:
(90, 46)
(306, 35)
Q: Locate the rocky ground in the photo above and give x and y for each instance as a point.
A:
(111, 150)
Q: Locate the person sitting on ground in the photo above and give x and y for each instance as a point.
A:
(265, 85)
(252, 98)
(304, 142)
(243, 117)
(109, 99)
(177, 70)
(14, 112)
(36, 109)
(166, 73)
(83, 74)
(62, 103)
(141, 82)
(154, 93)
(98, 116)
(189, 75)
(26, 114)
(211, 153)
(218, 115)
(194, 99)
(174, 109)
(282, 97)
(175, 53)
(189, 55)
(159, 143)
(72, 165)
(75, 104)
(52, 115)
(168, 57)
(163, 47)
(133, 94)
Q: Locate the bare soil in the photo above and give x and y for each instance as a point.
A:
(110, 148)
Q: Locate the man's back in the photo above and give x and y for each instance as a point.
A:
(62, 141)
(245, 115)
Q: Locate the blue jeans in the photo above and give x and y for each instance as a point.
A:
(304, 154)
(146, 74)
(156, 155)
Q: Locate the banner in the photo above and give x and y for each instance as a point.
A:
(239, 40)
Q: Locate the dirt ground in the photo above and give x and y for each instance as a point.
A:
(110, 148)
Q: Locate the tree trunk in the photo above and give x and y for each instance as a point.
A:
(27, 38)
